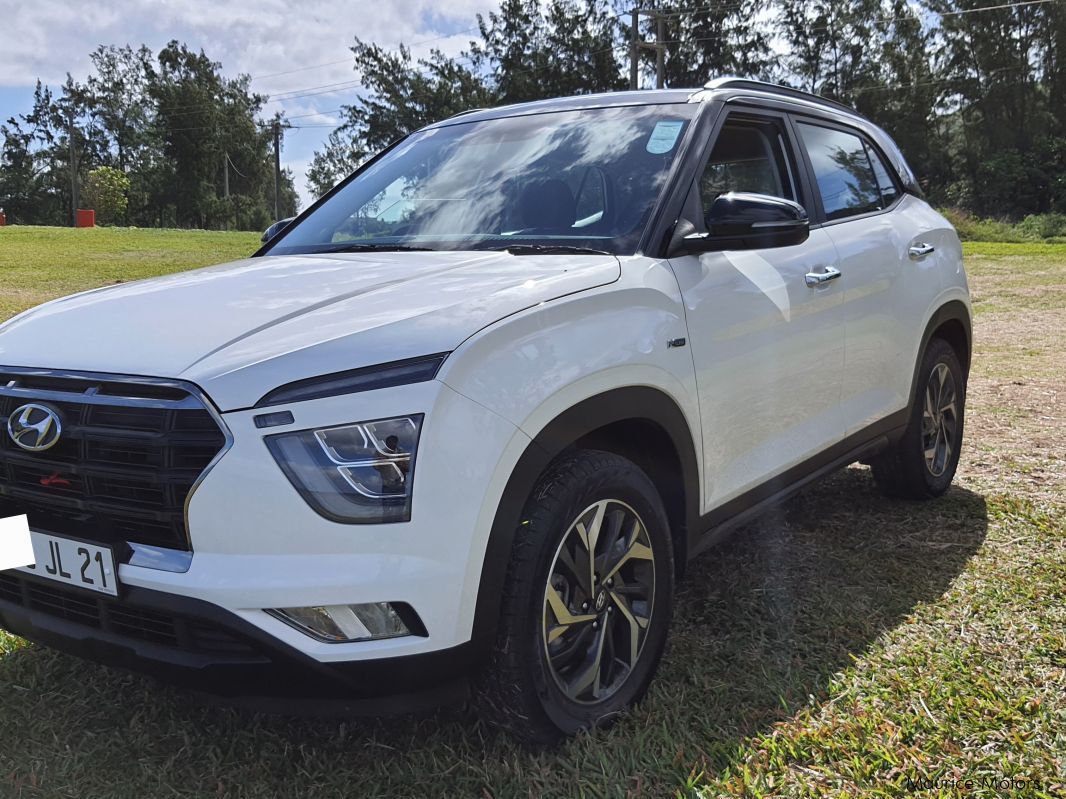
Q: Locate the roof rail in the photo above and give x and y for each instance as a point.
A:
(774, 88)
(464, 113)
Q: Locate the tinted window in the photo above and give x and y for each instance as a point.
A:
(889, 190)
(846, 180)
(748, 156)
(586, 178)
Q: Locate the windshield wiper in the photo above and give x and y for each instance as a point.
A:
(356, 247)
(549, 249)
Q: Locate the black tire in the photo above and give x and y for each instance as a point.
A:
(904, 471)
(533, 696)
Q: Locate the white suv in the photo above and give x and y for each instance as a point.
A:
(465, 420)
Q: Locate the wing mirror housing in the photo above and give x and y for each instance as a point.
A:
(275, 229)
(744, 221)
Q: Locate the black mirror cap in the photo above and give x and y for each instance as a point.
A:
(275, 229)
(747, 221)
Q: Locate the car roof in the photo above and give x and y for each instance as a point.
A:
(576, 102)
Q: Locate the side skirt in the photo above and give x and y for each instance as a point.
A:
(716, 525)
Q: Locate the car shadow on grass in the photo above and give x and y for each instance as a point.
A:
(761, 625)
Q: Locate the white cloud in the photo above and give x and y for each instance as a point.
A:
(47, 38)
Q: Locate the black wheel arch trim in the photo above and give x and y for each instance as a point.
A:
(953, 310)
(640, 403)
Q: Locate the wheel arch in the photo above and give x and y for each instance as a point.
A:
(950, 322)
(640, 423)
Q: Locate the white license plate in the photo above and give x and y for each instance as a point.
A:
(74, 563)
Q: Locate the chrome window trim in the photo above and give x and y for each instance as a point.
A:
(88, 397)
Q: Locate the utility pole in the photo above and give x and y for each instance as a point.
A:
(635, 46)
(225, 185)
(73, 168)
(634, 49)
(660, 51)
(277, 167)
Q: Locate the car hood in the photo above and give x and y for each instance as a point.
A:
(239, 330)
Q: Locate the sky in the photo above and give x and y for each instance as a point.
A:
(289, 47)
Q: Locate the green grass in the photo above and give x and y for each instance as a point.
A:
(843, 645)
(40, 263)
(1037, 227)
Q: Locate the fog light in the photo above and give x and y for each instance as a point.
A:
(338, 624)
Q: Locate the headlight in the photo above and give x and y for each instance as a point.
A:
(357, 473)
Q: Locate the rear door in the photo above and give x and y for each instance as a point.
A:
(886, 288)
(768, 348)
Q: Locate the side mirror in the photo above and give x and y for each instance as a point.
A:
(743, 221)
(275, 229)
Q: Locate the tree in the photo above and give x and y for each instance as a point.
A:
(105, 192)
(341, 156)
(529, 51)
(833, 44)
(707, 40)
(208, 134)
(402, 95)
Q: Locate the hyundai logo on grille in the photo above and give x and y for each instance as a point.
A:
(34, 428)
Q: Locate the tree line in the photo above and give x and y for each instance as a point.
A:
(974, 91)
(149, 140)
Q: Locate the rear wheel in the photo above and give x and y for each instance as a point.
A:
(587, 601)
(922, 463)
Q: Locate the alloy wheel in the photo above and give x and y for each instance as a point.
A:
(599, 601)
(940, 420)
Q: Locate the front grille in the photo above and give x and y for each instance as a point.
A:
(120, 618)
(123, 468)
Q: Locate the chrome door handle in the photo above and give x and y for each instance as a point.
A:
(920, 250)
(817, 278)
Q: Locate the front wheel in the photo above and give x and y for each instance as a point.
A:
(587, 602)
(922, 463)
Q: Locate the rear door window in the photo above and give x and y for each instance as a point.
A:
(846, 179)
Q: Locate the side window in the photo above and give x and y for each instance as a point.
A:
(749, 155)
(846, 180)
(888, 187)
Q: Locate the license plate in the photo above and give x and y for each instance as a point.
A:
(74, 563)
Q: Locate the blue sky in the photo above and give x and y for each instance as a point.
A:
(290, 48)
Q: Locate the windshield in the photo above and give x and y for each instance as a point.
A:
(586, 179)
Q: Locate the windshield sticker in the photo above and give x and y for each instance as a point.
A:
(664, 137)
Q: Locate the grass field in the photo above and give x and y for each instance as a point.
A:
(844, 645)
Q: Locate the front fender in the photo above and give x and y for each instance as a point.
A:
(566, 368)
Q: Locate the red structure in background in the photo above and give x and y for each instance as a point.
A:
(3, 219)
(85, 218)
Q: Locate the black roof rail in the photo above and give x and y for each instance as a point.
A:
(774, 88)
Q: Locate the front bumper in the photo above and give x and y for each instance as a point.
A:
(257, 545)
(200, 646)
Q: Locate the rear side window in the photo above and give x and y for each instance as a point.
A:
(846, 178)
